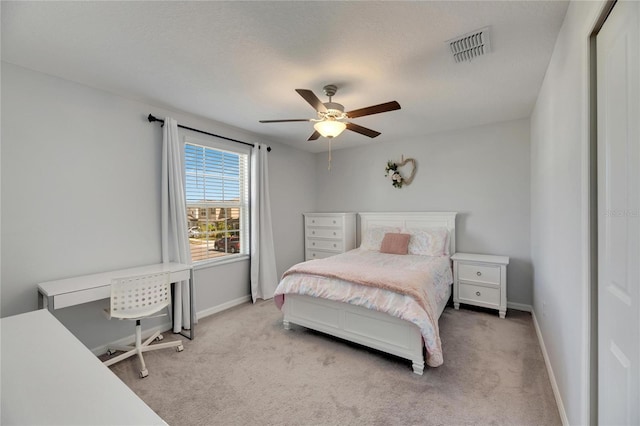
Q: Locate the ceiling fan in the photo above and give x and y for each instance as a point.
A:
(331, 116)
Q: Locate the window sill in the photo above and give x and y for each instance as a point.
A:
(205, 264)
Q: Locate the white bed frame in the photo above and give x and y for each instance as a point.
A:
(367, 327)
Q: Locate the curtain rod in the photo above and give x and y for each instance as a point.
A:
(151, 119)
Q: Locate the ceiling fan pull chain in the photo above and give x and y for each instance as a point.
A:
(329, 168)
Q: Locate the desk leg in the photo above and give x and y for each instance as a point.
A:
(45, 302)
(190, 334)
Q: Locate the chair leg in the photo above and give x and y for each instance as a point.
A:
(174, 344)
(153, 337)
(120, 357)
(143, 368)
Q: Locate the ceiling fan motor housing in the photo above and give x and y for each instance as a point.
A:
(335, 111)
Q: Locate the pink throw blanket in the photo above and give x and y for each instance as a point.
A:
(409, 282)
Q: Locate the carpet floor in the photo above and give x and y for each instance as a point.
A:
(243, 368)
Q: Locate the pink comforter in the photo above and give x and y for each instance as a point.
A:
(403, 281)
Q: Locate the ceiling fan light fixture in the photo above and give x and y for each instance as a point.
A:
(330, 128)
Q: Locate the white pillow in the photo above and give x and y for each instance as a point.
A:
(429, 241)
(373, 236)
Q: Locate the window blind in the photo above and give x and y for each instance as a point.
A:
(216, 190)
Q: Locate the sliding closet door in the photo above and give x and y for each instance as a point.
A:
(618, 80)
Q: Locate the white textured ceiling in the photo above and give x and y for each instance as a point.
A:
(239, 62)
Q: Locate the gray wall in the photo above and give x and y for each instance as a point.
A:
(559, 208)
(480, 172)
(80, 194)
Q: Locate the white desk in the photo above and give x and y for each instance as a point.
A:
(49, 377)
(73, 291)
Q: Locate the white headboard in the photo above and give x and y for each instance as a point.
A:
(412, 220)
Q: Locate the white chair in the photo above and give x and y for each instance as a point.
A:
(138, 297)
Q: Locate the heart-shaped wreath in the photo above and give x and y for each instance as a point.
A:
(393, 172)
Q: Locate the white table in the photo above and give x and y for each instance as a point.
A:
(73, 291)
(50, 378)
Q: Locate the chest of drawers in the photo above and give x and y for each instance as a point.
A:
(480, 280)
(328, 234)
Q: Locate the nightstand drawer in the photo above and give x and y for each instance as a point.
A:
(312, 221)
(479, 273)
(325, 233)
(335, 245)
(483, 296)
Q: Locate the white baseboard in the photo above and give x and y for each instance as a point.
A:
(519, 307)
(223, 307)
(167, 326)
(552, 377)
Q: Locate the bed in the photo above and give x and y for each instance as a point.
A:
(403, 325)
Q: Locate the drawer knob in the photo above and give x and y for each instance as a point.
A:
(313, 244)
(334, 245)
(334, 221)
(313, 232)
(334, 233)
(477, 293)
(314, 255)
(478, 273)
(313, 221)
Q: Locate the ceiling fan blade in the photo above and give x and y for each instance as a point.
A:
(375, 109)
(315, 135)
(362, 130)
(313, 100)
(285, 121)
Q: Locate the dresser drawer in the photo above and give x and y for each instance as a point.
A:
(334, 245)
(325, 233)
(313, 254)
(325, 221)
(478, 295)
(479, 273)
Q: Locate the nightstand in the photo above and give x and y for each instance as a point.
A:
(480, 280)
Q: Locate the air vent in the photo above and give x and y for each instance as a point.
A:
(468, 46)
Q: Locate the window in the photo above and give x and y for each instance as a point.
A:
(216, 189)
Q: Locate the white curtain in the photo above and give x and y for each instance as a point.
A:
(264, 278)
(175, 241)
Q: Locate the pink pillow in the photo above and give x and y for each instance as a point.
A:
(393, 243)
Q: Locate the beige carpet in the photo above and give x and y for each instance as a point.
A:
(243, 368)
